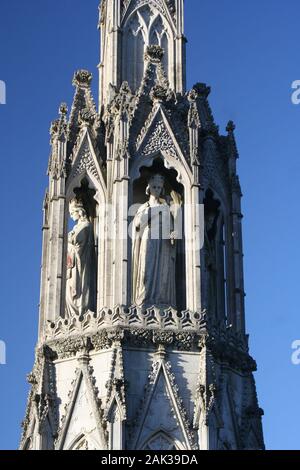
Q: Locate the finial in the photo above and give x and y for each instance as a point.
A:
(192, 95)
(63, 109)
(161, 352)
(159, 93)
(202, 89)
(82, 78)
(125, 88)
(86, 117)
(230, 127)
(154, 54)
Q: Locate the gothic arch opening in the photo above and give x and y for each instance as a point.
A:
(115, 427)
(172, 195)
(144, 27)
(158, 35)
(215, 255)
(81, 242)
(160, 441)
(133, 51)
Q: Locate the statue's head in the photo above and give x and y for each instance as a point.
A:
(210, 219)
(77, 211)
(156, 186)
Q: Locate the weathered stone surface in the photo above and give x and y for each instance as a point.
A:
(124, 373)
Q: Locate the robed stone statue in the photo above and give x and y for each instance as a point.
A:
(154, 248)
(81, 263)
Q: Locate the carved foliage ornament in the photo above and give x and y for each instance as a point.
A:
(87, 117)
(70, 347)
(154, 54)
(86, 163)
(160, 141)
(82, 78)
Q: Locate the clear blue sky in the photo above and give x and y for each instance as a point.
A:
(248, 51)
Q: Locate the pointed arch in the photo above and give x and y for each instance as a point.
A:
(156, 31)
(162, 394)
(85, 163)
(115, 419)
(133, 51)
(143, 26)
(216, 255)
(160, 440)
(83, 442)
(158, 139)
(82, 396)
(86, 167)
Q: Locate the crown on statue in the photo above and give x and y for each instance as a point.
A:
(157, 176)
(76, 204)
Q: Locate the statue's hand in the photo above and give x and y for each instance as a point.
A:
(71, 237)
(176, 198)
(176, 204)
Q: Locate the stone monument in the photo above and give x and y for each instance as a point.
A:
(142, 341)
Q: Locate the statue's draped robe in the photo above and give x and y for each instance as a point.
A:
(210, 278)
(81, 270)
(153, 257)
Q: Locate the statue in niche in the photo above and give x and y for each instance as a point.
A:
(81, 263)
(154, 248)
(210, 262)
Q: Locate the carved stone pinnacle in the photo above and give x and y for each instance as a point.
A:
(230, 127)
(202, 89)
(63, 109)
(82, 78)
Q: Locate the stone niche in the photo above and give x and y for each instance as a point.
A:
(138, 197)
(83, 197)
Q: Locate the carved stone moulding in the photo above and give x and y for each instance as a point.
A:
(66, 348)
(133, 317)
(225, 354)
(176, 341)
